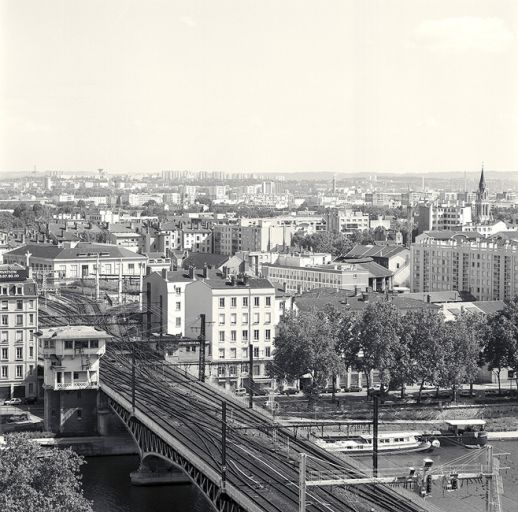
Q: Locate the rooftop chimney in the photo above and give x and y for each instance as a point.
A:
(164, 273)
(233, 280)
(192, 273)
(206, 271)
(428, 298)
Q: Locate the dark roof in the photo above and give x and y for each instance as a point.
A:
(82, 248)
(375, 269)
(375, 251)
(216, 280)
(320, 297)
(120, 228)
(490, 306)
(505, 235)
(200, 259)
(37, 250)
(446, 296)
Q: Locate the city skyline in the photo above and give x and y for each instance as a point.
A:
(238, 87)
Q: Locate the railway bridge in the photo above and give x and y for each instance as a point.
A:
(235, 455)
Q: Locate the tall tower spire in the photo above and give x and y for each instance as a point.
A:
(482, 182)
(482, 206)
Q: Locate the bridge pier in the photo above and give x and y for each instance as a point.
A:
(156, 471)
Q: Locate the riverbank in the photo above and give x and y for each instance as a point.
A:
(93, 446)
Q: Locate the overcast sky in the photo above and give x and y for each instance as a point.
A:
(259, 85)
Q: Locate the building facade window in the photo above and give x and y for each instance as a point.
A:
(19, 371)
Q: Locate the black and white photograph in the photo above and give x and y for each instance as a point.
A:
(258, 256)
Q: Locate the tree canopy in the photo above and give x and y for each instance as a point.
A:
(35, 480)
(419, 347)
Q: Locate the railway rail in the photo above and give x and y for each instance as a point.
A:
(262, 462)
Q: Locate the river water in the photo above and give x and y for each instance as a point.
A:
(106, 482)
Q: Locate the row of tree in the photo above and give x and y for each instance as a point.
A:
(418, 347)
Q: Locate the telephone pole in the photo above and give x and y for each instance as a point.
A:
(201, 370)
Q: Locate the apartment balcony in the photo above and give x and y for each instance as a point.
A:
(72, 386)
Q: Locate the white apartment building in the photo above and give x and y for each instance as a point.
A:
(238, 311)
(346, 221)
(18, 324)
(196, 240)
(164, 302)
(465, 261)
(438, 217)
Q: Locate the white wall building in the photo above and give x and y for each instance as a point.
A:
(18, 324)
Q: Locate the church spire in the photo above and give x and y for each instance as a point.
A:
(482, 182)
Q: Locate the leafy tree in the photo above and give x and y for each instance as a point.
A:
(307, 344)
(336, 244)
(462, 349)
(33, 480)
(499, 344)
(508, 317)
(378, 337)
(423, 336)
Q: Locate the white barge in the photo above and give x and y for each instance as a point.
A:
(388, 442)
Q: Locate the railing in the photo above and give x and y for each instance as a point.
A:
(75, 385)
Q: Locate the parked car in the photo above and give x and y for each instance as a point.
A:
(30, 400)
(240, 391)
(290, 391)
(353, 389)
(260, 392)
(13, 401)
(329, 389)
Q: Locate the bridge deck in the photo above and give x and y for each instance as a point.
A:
(262, 463)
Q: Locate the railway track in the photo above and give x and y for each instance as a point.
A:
(264, 468)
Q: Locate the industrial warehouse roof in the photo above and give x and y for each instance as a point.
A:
(374, 251)
(320, 297)
(73, 332)
(81, 250)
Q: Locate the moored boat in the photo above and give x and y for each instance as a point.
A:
(388, 443)
(468, 433)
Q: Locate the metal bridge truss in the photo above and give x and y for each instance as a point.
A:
(152, 445)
